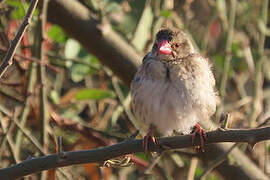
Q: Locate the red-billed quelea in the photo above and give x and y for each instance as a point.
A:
(174, 87)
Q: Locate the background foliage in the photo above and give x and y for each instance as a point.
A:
(88, 105)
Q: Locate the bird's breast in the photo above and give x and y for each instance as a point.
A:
(158, 100)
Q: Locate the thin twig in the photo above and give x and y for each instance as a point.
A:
(224, 120)
(265, 122)
(43, 110)
(153, 163)
(228, 50)
(217, 162)
(29, 136)
(20, 57)
(7, 61)
(9, 139)
(258, 80)
(125, 103)
(102, 154)
(11, 94)
(29, 90)
(192, 168)
(5, 110)
(5, 137)
(224, 155)
(33, 140)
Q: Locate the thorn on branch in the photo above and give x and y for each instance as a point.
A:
(224, 119)
(252, 142)
(29, 157)
(220, 129)
(251, 145)
(61, 154)
(133, 136)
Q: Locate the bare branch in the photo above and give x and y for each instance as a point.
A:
(21, 57)
(102, 154)
(43, 109)
(228, 56)
(7, 61)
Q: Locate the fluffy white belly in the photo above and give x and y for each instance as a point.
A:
(165, 105)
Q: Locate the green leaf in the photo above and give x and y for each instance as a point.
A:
(95, 61)
(69, 137)
(14, 3)
(56, 34)
(82, 67)
(112, 7)
(219, 60)
(142, 156)
(94, 94)
(211, 177)
(198, 172)
(78, 72)
(88, 59)
(72, 48)
(165, 13)
(237, 64)
(19, 11)
(83, 53)
(55, 97)
(235, 48)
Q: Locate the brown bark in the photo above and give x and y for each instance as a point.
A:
(102, 154)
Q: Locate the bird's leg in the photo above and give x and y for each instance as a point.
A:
(199, 130)
(147, 137)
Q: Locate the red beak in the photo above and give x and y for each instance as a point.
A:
(164, 48)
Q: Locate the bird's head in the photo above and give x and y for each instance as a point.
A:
(171, 45)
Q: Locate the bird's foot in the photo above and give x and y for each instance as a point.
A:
(201, 132)
(149, 137)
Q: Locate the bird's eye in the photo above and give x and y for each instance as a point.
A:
(177, 45)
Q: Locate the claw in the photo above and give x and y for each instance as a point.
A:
(149, 136)
(201, 132)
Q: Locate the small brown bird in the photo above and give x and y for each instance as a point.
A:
(174, 87)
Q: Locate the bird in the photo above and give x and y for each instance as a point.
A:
(174, 87)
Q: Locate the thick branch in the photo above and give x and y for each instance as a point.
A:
(7, 61)
(35, 165)
(96, 37)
